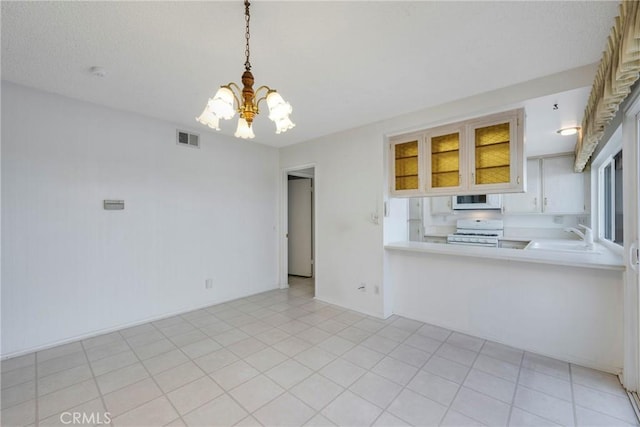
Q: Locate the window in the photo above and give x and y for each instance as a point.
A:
(610, 208)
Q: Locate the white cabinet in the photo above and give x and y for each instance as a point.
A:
(440, 205)
(563, 189)
(531, 200)
(552, 188)
(480, 156)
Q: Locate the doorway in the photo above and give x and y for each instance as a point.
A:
(300, 229)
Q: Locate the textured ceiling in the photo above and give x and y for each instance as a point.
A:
(340, 64)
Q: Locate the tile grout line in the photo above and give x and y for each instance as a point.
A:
(225, 391)
(575, 405)
(316, 371)
(285, 390)
(37, 397)
(319, 411)
(95, 380)
(515, 389)
(570, 382)
(404, 387)
(573, 397)
(154, 381)
(208, 375)
(463, 380)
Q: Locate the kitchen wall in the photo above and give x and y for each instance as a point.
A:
(71, 269)
(516, 225)
(351, 168)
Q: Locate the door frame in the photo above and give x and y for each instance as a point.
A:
(284, 219)
(631, 175)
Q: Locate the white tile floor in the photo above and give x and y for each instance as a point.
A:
(283, 359)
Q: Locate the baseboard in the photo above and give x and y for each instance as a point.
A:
(123, 326)
(585, 363)
(328, 301)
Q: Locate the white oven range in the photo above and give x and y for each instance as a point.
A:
(477, 232)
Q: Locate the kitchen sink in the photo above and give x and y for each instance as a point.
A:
(570, 246)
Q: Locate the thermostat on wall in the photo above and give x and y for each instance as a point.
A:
(113, 205)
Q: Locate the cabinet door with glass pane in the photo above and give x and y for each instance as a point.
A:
(496, 157)
(444, 159)
(406, 165)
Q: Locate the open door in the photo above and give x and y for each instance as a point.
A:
(300, 214)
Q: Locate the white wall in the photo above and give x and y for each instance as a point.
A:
(569, 313)
(351, 184)
(70, 268)
(348, 189)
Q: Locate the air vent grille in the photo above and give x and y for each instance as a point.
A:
(187, 139)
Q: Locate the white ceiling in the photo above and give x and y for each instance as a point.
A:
(340, 64)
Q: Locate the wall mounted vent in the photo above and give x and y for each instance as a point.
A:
(187, 139)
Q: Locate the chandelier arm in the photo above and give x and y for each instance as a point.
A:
(232, 86)
(268, 91)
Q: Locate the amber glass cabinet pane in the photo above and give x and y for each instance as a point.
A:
(406, 158)
(445, 160)
(492, 154)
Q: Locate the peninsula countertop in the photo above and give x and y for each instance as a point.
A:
(601, 258)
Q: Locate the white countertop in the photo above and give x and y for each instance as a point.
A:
(604, 259)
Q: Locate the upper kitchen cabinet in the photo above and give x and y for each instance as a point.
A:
(407, 175)
(552, 188)
(496, 161)
(531, 200)
(564, 190)
(444, 156)
(480, 156)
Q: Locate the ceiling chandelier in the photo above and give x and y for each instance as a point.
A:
(221, 106)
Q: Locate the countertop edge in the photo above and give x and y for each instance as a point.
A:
(507, 254)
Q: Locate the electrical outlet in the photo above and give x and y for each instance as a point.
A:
(376, 290)
(362, 287)
(208, 284)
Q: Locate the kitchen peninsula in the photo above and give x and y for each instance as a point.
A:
(564, 305)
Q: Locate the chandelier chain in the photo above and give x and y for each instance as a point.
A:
(247, 35)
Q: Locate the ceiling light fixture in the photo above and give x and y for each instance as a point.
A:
(221, 106)
(569, 131)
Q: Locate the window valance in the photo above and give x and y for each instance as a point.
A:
(618, 71)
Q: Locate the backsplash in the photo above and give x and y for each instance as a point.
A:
(515, 225)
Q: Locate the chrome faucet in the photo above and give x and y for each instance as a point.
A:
(587, 236)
